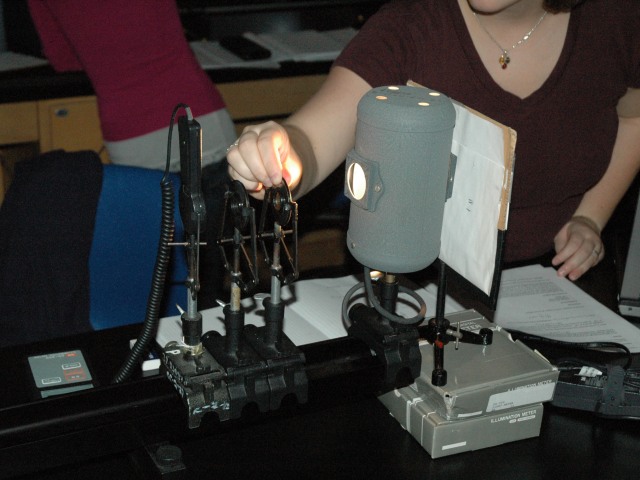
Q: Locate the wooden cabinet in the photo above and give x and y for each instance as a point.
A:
(256, 101)
(18, 126)
(65, 123)
(18, 123)
(73, 124)
(70, 124)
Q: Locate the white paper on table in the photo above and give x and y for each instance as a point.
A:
(537, 301)
(313, 311)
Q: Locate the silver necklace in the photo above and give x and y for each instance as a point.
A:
(504, 57)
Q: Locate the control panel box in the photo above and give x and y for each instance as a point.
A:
(59, 373)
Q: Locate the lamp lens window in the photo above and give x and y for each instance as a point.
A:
(357, 181)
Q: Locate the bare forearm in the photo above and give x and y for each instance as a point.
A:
(600, 201)
(302, 154)
(323, 131)
(578, 244)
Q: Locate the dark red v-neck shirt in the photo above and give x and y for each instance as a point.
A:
(565, 130)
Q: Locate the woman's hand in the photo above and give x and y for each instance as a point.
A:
(578, 247)
(262, 157)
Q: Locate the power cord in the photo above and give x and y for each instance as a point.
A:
(167, 229)
(608, 390)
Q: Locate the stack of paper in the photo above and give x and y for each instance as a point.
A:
(10, 61)
(304, 46)
(301, 46)
(537, 301)
(212, 56)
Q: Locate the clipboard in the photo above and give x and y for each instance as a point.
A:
(477, 212)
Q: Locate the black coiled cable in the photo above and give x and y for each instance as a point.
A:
(163, 256)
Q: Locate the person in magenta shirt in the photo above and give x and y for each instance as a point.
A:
(141, 66)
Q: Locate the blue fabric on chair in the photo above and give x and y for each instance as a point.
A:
(124, 248)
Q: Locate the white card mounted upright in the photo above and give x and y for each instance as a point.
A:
(476, 214)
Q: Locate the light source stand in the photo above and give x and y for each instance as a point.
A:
(395, 343)
(439, 332)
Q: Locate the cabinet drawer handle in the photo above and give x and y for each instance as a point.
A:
(61, 112)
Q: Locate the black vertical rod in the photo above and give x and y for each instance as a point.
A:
(439, 374)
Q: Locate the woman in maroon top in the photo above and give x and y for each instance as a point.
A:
(565, 74)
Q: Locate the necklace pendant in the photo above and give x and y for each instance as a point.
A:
(504, 59)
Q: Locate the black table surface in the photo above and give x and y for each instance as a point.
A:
(361, 440)
(104, 432)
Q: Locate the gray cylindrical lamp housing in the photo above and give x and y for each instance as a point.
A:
(396, 177)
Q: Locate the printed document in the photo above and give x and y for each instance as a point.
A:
(537, 301)
(532, 299)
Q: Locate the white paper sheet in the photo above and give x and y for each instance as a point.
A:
(10, 61)
(536, 300)
(313, 311)
(212, 56)
(300, 46)
(470, 226)
(304, 45)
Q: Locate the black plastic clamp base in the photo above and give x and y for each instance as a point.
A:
(262, 365)
(286, 373)
(395, 344)
(250, 365)
(200, 381)
(246, 376)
